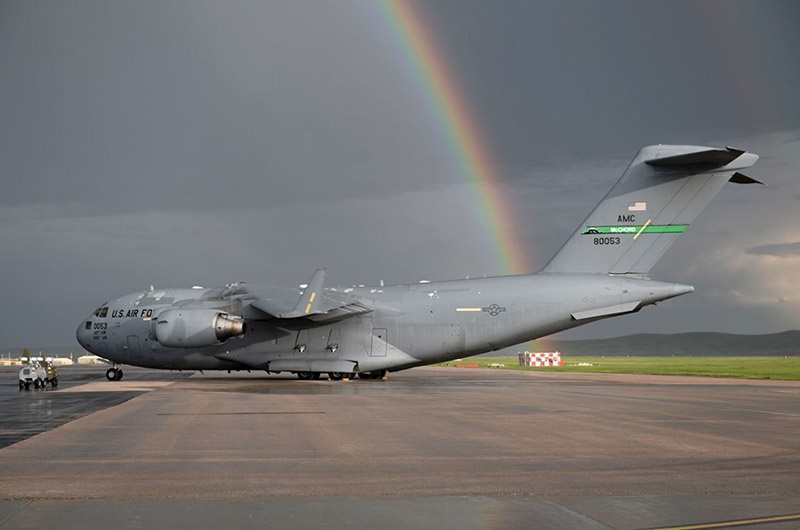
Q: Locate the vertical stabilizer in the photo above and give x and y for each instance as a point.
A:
(658, 196)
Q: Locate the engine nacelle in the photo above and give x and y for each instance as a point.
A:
(196, 328)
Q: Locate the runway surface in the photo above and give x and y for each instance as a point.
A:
(428, 448)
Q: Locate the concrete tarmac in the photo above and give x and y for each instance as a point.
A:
(428, 448)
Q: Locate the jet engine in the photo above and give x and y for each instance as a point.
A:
(196, 328)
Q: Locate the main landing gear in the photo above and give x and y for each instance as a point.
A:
(115, 373)
(338, 376)
(379, 374)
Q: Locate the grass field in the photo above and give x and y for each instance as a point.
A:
(783, 368)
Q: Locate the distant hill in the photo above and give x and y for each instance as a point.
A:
(683, 344)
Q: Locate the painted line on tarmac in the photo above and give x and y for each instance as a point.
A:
(117, 386)
(738, 522)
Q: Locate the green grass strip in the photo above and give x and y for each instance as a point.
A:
(780, 368)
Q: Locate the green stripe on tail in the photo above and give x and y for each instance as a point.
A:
(635, 229)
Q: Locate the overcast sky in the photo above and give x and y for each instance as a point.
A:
(179, 143)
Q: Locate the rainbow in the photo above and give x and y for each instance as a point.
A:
(460, 131)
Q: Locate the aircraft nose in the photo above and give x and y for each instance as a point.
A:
(84, 333)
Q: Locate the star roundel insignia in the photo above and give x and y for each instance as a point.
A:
(494, 309)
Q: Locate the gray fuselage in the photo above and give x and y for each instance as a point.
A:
(410, 325)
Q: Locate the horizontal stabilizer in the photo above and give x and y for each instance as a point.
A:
(741, 178)
(607, 311)
(706, 159)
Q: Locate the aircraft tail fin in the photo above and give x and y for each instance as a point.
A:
(658, 196)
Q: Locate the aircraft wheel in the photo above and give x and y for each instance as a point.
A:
(305, 376)
(119, 374)
(336, 376)
(372, 375)
(315, 376)
(27, 385)
(21, 385)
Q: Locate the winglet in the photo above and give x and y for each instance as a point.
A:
(309, 302)
(740, 178)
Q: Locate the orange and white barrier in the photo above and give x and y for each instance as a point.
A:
(540, 359)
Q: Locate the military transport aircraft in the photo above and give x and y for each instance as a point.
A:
(600, 272)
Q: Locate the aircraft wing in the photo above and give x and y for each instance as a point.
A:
(336, 306)
(314, 303)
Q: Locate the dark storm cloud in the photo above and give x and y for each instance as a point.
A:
(592, 79)
(148, 105)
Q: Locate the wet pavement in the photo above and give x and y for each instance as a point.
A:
(26, 413)
(432, 447)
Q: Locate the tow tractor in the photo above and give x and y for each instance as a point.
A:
(38, 375)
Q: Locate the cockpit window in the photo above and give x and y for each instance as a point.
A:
(101, 312)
